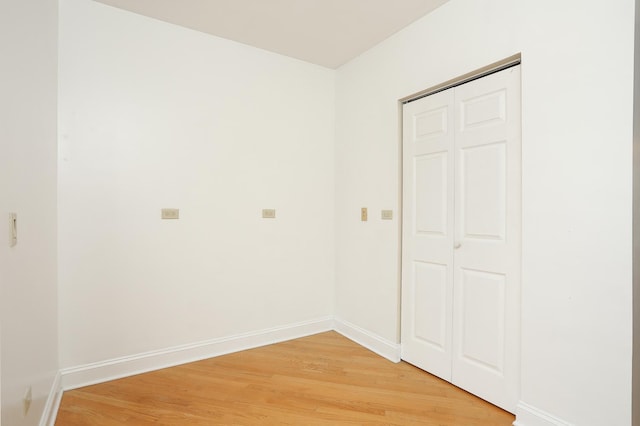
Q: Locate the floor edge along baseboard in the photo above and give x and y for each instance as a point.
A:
(528, 415)
(100, 372)
(52, 404)
(373, 342)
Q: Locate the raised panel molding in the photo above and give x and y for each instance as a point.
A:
(431, 176)
(429, 124)
(528, 415)
(484, 191)
(485, 110)
(483, 329)
(430, 287)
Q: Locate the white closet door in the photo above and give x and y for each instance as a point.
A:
(486, 306)
(461, 236)
(428, 233)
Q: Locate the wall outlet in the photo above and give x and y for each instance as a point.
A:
(26, 401)
(386, 214)
(170, 214)
(363, 214)
(269, 213)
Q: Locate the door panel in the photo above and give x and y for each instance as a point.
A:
(428, 233)
(486, 301)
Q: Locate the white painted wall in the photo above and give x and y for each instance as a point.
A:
(577, 85)
(28, 291)
(153, 115)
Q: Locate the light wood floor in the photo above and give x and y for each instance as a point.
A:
(317, 380)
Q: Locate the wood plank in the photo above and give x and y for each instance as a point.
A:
(317, 380)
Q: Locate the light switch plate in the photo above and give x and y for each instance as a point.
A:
(170, 214)
(26, 401)
(269, 213)
(386, 214)
(13, 229)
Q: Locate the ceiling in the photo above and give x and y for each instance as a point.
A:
(324, 32)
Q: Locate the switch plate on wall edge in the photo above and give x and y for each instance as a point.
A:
(13, 229)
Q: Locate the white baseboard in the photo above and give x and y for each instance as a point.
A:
(527, 415)
(53, 402)
(373, 342)
(104, 371)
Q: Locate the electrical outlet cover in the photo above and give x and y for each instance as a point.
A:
(269, 213)
(170, 214)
